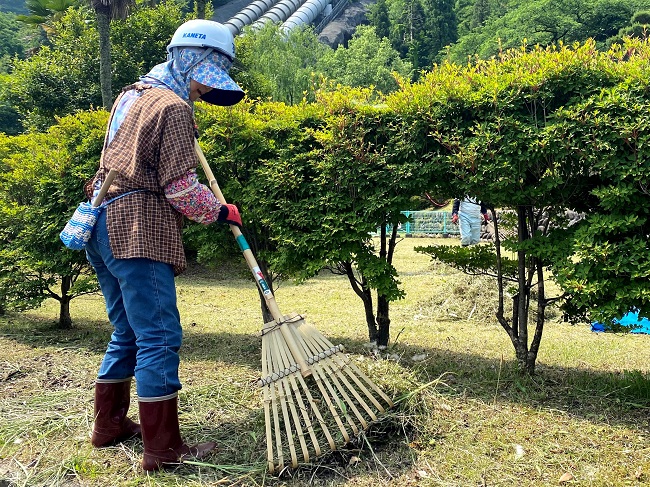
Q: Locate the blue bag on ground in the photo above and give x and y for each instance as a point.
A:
(630, 320)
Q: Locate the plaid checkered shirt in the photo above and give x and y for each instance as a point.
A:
(153, 146)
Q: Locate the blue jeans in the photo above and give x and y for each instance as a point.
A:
(470, 229)
(140, 299)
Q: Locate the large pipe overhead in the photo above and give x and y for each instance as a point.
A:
(248, 15)
(233, 28)
(289, 13)
(279, 13)
(305, 14)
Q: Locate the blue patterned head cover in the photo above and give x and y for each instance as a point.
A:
(207, 66)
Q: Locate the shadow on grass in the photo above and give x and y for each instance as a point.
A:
(584, 393)
(206, 413)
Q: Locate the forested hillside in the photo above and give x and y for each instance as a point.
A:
(424, 31)
(405, 39)
(16, 6)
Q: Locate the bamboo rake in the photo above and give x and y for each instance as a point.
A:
(312, 392)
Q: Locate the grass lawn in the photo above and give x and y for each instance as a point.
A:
(465, 418)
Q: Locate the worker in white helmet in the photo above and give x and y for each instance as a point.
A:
(136, 247)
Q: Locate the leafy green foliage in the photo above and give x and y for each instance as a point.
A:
(139, 42)
(240, 142)
(46, 13)
(284, 64)
(313, 181)
(64, 78)
(535, 131)
(367, 61)
(418, 29)
(473, 260)
(638, 28)
(545, 131)
(9, 119)
(40, 186)
(542, 22)
(288, 67)
(10, 42)
(608, 267)
(13, 6)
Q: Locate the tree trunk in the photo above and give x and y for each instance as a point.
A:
(500, 284)
(379, 325)
(104, 28)
(541, 314)
(365, 294)
(383, 321)
(386, 252)
(383, 317)
(366, 298)
(528, 268)
(266, 314)
(65, 319)
(256, 244)
(523, 302)
(539, 319)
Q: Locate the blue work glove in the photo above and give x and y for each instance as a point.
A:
(229, 214)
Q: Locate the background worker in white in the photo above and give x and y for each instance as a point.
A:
(468, 213)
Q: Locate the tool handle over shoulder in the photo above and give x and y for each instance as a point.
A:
(110, 177)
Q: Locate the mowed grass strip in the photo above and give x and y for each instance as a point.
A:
(464, 415)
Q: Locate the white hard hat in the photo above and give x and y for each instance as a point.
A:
(203, 33)
(209, 49)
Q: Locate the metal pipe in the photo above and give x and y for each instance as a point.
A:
(248, 15)
(305, 14)
(279, 13)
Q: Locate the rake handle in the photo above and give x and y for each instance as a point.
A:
(254, 267)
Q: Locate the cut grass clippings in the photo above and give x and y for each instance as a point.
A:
(464, 416)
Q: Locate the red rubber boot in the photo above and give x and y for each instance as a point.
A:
(163, 445)
(111, 426)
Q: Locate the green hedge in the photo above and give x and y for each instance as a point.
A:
(558, 128)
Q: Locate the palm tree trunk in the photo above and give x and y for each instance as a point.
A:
(104, 29)
(200, 9)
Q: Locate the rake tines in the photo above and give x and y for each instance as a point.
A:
(346, 396)
(291, 351)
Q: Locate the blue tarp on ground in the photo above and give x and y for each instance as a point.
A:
(628, 319)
